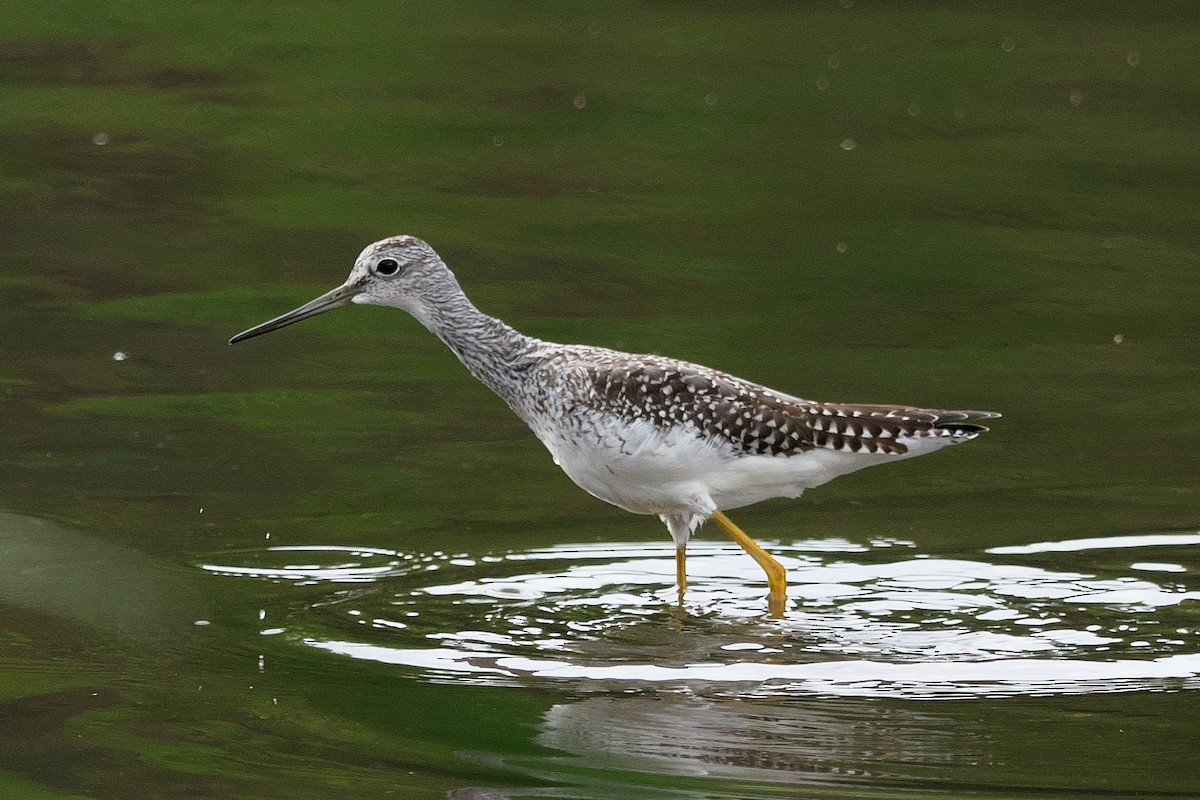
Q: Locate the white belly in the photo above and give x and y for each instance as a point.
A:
(641, 468)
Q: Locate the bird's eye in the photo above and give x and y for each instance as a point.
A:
(387, 266)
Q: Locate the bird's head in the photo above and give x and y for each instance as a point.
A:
(401, 271)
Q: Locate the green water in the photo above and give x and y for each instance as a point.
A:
(327, 563)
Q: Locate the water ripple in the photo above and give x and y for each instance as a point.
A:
(872, 621)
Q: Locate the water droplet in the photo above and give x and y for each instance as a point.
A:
(580, 102)
(822, 83)
(841, 247)
(262, 614)
(848, 144)
(1119, 339)
(1008, 44)
(100, 138)
(120, 355)
(1076, 98)
(1132, 60)
(914, 109)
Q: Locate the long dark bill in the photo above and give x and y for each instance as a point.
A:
(327, 302)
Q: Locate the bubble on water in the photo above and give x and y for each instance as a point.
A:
(1134, 58)
(822, 83)
(846, 3)
(710, 99)
(1008, 44)
(498, 141)
(388, 623)
(580, 102)
(848, 144)
(959, 113)
(914, 109)
(841, 247)
(1075, 98)
(100, 138)
(1118, 339)
(120, 355)
(833, 61)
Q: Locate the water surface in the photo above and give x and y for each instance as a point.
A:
(328, 563)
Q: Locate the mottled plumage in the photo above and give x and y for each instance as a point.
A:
(755, 420)
(649, 434)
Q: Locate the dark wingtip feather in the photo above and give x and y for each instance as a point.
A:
(960, 427)
(959, 421)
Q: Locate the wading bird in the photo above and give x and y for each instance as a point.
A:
(648, 434)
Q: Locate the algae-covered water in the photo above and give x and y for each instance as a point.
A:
(327, 563)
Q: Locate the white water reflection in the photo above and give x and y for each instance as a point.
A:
(358, 565)
(1102, 543)
(877, 621)
(841, 677)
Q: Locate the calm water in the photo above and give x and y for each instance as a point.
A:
(326, 563)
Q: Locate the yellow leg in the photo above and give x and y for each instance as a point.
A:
(776, 574)
(681, 571)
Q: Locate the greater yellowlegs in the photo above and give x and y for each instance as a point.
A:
(649, 434)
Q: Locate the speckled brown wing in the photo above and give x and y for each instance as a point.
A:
(717, 405)
(755, 420)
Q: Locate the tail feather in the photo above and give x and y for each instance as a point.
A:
(889, 428)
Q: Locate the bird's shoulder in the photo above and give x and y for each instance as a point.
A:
(627, 376)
